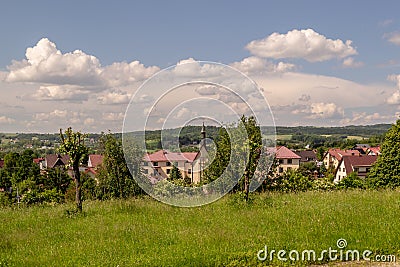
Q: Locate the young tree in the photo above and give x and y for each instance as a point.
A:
(386, 169)
(73, 144)
(175, 174)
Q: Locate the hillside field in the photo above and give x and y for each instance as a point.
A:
(144, 232)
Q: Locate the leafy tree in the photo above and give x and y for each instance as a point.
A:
(352, 181)
(115, 179)
(56, 178)
(386, 170)
(255, 146)
(73, 144)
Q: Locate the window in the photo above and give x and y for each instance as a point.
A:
(280, 169)
(168, 163)
(281, 161)
(343, 169)
(146, 171)
(356, 169)
(189, 171)
(168, 171)
(289, 161)
(176, 164)
(155, 163)
(145, 163)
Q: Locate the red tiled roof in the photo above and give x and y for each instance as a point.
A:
(95, 160)
(358, 161)
(283, 152)
(38, 160)
(375, 149)
(165, 155)
(338, 153)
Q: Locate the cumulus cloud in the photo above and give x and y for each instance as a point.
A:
(57, 113)
(394, 99)
(72, 75)
(61, 92)
(207, 90)
(325, 110)
(6, 120)
(257, 65)
(351, 63)
(114, 97)
(393, 37)
(305, 98)
(113, 116)
(320, 110)
(306, 44)
(365, 118)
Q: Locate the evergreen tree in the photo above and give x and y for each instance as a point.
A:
(175, 174)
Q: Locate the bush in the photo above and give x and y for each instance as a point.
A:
(47, 196)
(352, 181)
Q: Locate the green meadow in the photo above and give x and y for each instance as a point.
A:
(229, 232)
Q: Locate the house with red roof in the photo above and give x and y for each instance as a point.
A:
(334, 155)
(360, 164)
(374, 151)
(286, 159)
(158, 165)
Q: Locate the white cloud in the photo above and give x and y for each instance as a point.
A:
(394, 99)
(325, 110)
(183, 113)
(351, 63)
(114, 97)
(393, 37)
(365, 118)
(207, 90)
(72, 75)
(6, 120)
(89, 121)
(61, 92)
(51, 115)
(113, 116)
(306, 44)
(257, 65)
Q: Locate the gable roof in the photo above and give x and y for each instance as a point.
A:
(38, 160)
(95, 160)
(375, 149)
(351, 162)
(53, 160)
(306, 155)
(283, 152)
(339, 153)
(165, 155)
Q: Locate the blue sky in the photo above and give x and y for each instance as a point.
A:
(162, 33)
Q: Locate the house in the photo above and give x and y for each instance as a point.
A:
(362, 148)
(158, 165)
(374, 151)
(334, 155)
(54, 160)
(360, 164)
(286, 159)
(94, 161)
(307, 156)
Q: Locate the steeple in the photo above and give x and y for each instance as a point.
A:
(203, 132)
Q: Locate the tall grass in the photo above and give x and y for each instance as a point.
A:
(143, 232)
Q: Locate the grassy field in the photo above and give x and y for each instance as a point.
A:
(143, 232)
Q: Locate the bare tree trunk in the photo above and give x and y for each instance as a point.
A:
(78, 187)
(246, 184)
